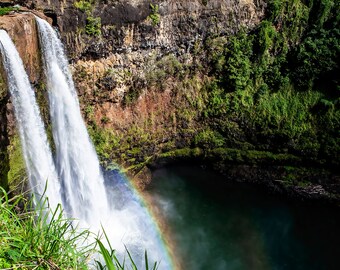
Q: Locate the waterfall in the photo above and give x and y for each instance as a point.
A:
(77, 163)
(35, 147)
(84, 193)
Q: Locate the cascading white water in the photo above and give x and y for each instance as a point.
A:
(77, 163)
(36, 150)
(125, 220)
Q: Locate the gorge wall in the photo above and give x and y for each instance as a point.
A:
(110, 66)
(161, 81)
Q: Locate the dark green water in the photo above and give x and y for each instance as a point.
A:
(220, 226)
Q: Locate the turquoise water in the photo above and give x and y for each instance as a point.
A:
(215, 225)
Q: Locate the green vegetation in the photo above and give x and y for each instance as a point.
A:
(84, 5)
(6, 10)
(231, 155)
(29, 241)
(4, 167)
(104, 140)
(17, 172)
(154, 15)
(113, 263)
(166, 67)
(209, 139)
(93, 24)
(277, 87)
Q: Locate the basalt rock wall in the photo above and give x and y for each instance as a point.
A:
(114, 65)
(126, 25)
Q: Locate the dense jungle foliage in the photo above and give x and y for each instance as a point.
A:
(280, 82)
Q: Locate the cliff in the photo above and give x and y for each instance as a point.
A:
(127, 25)
(220, 82)
(129, 42)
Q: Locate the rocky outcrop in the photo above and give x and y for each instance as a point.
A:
(22, 29)
(126, 25)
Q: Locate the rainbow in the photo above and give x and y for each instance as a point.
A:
(163, 232)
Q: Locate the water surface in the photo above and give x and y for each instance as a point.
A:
(211, 224)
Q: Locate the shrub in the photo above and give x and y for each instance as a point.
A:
(6, 10)
(93, 26)
(154, 15)
(209, 139)
(84, 6)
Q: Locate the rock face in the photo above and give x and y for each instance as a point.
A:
(141, 69)
(22, 29)
(109, 67)
(126, 25)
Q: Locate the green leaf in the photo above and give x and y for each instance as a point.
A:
(106, 256)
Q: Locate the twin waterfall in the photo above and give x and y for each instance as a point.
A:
(72, 176)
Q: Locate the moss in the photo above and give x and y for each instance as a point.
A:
(131, 96)
(180, 153)
(105, 140)
(6, 10)
(134, 151)
(105, 120)
(269, 156)
(252, 156)
(226, 154)
(137, 167)
(230, 155)
(17, 173)
(162, 69)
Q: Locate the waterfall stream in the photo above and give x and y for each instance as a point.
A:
(86, 197)
(83, 192)
(35, 147)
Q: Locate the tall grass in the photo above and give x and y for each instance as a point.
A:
(113, 263)
(37, 238)
(34, 237)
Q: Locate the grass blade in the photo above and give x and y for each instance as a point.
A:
(106, 256)
(146, 260)
(131, 260)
